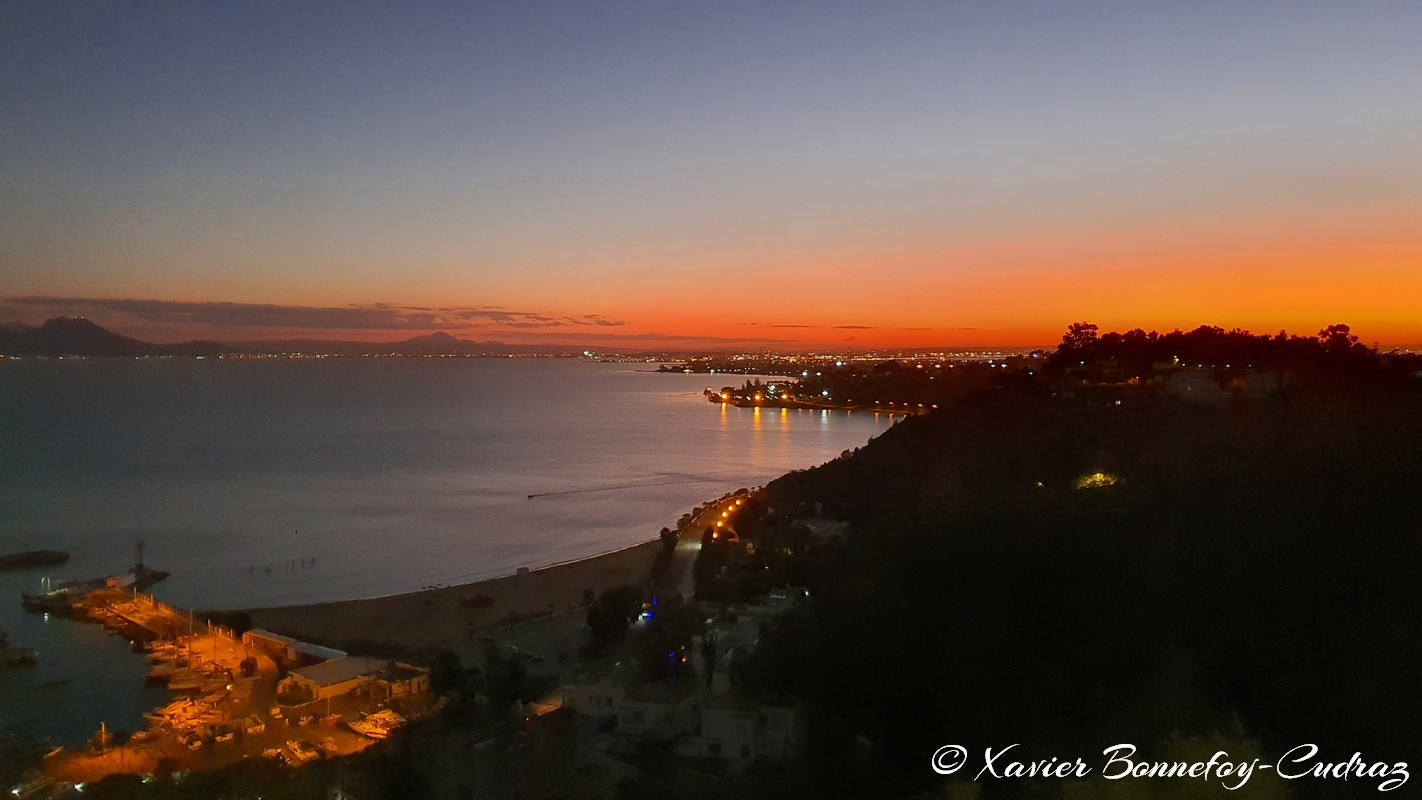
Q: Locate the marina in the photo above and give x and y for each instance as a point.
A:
(224, 703)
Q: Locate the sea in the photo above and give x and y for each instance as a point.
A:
(261, 482)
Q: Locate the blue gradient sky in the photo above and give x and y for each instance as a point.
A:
(986, 171)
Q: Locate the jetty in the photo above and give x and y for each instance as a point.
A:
(68, 597)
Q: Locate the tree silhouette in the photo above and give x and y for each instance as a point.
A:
(1337, 339)
(610, 614)
(1078, 336)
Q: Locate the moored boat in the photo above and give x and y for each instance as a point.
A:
(365, 727)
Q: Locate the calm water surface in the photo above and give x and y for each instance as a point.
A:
(385, 475)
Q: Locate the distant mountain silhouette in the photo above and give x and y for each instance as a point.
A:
(76, 336)
(440, 342)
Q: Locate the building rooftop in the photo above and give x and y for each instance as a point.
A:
(271, 637)
(402, 671)
(340, 670)
(317, 651)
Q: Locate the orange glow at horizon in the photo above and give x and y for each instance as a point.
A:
(1286, 278)
(846, 177)
(1297, 274)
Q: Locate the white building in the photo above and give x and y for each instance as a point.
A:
(742, 732)
(592, 699)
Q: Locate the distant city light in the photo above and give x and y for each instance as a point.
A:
(1096, 480)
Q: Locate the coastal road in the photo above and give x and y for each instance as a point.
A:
(678, 579)
(683, 559)
(546, 639)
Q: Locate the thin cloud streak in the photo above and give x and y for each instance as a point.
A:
(371, 317)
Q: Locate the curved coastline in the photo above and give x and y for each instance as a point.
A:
(429, 619)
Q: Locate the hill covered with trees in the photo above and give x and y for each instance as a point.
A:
(1069, 576)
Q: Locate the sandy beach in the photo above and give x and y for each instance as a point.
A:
(432, 619)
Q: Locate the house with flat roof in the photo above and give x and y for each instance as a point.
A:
(399, 680)
(592, 699)
(741, 732)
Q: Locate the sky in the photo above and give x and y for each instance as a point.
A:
(784, 175)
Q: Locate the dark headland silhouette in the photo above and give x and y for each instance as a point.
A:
(76, 336)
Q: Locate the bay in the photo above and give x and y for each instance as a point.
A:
(276, 481)
(271, 482)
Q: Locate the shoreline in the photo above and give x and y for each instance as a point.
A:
(447, 616)
(467, 583)
(800, 405)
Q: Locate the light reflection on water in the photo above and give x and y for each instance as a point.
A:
(272, 482)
